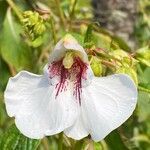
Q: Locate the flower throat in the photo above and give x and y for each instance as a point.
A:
(75, 74)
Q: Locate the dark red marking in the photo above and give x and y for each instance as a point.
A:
(76, 73)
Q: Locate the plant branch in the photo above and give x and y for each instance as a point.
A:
(12, 69)
(73, 9)
(45, 143)
(60, 142)
(43, 53)
(91, 145)
(53, 30)
(61, 14)
(108, 63)
(143, 89)
(71, 15)
(15, 9)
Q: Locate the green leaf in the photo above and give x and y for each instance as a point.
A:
(115, 142)
(88, 39)
(107, 40)
(144, 98)
(88, 35)
(37, 42)
(3, 8)
(143, 106)
(143, 55)
(143, 76)
(4, 75)
(14, 140)
(3, 115)
(14, 50)
(121, 43)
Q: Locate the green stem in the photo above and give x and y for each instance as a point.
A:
(72, 12)
(73, 9)
(60, 142)
(45, 144)
(15, 9)
(53, 30)
(60, 12)
(43, 54)
(108, 63)
(140, 88)
(91, 145)
(12, 70)
(78, 145)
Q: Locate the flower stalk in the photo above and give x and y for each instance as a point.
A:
(62, 18)
(60, 142)
(15, 9)
(73, 9)
(53, 30)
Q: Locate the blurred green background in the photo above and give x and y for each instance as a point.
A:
(118, 24)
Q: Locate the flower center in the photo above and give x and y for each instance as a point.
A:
(73, 74)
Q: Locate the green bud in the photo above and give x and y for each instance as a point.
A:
(39, 28)
(119, 54)
(34, 24)
(125, 59)
(96, 66)
(30, 18)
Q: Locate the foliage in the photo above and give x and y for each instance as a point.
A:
(29, 31)
(12, 139)
(142, 27)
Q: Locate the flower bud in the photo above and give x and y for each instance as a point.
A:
(33, 24)
(39, 28)
(96, 66)
(119, 54)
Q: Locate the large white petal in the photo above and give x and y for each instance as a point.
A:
(31, 100)
(65, 44)
(106, 104)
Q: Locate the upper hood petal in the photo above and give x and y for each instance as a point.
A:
(65, 44)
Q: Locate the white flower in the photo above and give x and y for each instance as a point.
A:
(69, 99)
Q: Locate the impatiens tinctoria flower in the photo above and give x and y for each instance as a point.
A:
(68, 97)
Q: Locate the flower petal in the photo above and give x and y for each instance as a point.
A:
(103, 109)
(31, 100)
(78, 130)
(107, 103)
(65, 44)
